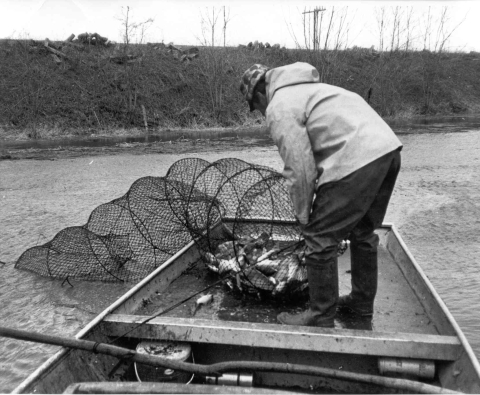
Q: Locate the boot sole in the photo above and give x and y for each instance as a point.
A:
(351, 310)
(318, 325)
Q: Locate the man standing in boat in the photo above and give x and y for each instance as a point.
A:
(341, 161)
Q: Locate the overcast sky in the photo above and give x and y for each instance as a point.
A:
(280, 22)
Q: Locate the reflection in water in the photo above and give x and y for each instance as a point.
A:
(400, 126)
(97, 141)
(435, 124)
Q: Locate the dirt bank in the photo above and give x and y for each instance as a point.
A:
(89, 91)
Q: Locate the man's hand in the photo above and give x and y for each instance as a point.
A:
(301, 225)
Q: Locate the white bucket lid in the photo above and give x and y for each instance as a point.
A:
(166, 349)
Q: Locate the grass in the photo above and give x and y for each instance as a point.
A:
(88, 94)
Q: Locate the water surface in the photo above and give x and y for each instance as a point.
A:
(436, 206)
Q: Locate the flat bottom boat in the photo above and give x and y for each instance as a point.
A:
(412, 344)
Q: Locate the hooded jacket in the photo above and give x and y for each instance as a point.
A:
(323, 132)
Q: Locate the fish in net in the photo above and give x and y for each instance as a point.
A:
(239, 214)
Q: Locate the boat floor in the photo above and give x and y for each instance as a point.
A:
(397, 308)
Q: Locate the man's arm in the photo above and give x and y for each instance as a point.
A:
(287, 128)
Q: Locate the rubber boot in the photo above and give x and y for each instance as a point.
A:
(323, 291)
(364, 265)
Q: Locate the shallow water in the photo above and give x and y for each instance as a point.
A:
(416, 126)
(102, 141)
(436, 206)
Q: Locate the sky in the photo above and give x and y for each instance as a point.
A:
(180, 21)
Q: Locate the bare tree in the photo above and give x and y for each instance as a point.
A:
(381, 22)
(126, 25)
(133, 30)
(319, 38)
(226, 19)
(329, 28)
(209, 24)
(409, 28)
(427, 30)
(291, 30)
(444, 32)
(342, 29)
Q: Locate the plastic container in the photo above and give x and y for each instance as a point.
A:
(176, 351)
(407, 367)
(231, 379)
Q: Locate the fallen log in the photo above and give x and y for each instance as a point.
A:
(93, 39)
(54, 51)
(70, 38)
(56, 59)
(99, 39)
(48, 43)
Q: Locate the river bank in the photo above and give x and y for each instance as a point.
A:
(192, 140)
(435, 206)
(90, 91)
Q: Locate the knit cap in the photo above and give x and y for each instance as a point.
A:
(249, 81)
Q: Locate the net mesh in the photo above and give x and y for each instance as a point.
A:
(239, 214)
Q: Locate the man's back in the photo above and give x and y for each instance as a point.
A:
(344, 132)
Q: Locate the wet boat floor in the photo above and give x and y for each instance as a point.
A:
(397, 308)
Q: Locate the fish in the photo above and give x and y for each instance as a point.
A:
(301, 274)
(293, 265)
(257, 243)
(242, 261)
(262, 240)
(253, 256)
(202, 301)
(211, 259)
(290, 275)
(225, 250)
(279, 288)
(267, 254)
(257, 279)
(268, 266)
(226, 266)
(213, 268)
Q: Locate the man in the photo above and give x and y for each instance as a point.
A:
(341, 162)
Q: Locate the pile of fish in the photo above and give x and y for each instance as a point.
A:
(261, 264)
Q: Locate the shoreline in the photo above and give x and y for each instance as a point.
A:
(400, 126)
(183, 141)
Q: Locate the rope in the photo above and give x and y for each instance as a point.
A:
(168, 309)
(94, 348)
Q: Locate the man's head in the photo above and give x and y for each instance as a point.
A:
(253, 89)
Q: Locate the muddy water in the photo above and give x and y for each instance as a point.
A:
(166, 136)
(436, 207)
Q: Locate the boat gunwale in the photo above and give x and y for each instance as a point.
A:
(458, 331)
(50, 363)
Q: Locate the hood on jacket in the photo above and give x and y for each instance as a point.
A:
(292, 74)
